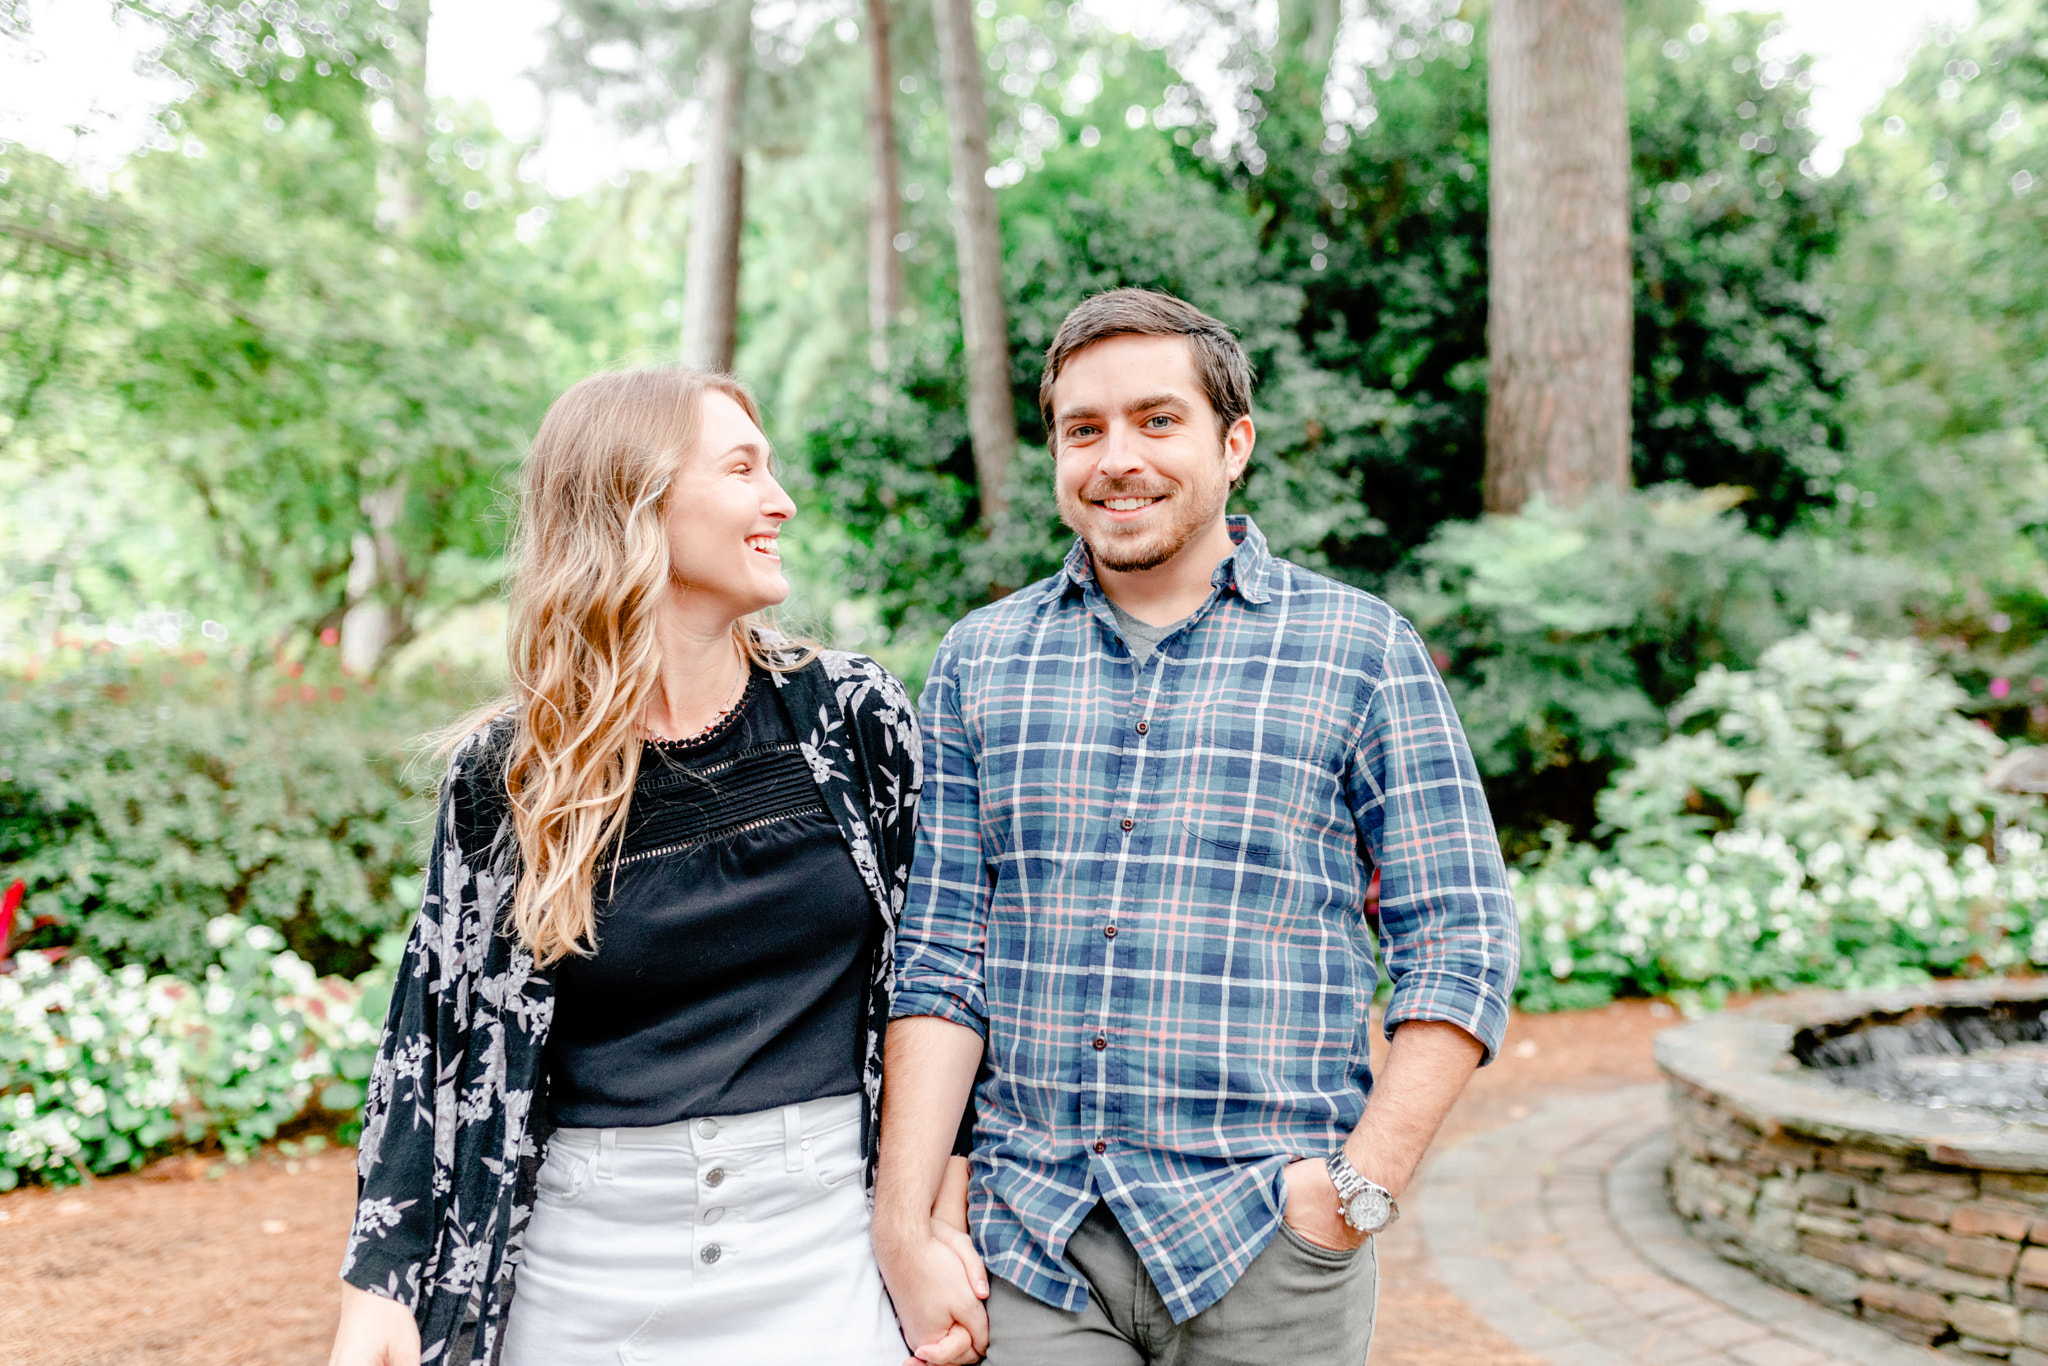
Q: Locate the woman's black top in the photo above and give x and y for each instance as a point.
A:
(733, 940)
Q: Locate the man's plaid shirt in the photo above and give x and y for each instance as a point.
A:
(1146, 888)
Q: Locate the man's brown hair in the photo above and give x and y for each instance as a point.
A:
(1220, 362)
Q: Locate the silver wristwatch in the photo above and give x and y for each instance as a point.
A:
(1367, 1206)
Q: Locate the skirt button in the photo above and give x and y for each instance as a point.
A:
(707, 1128)
(714, 1176)
(711, 1253)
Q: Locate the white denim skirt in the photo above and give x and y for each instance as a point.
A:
(726, 1238)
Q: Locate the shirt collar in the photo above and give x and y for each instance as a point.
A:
(1248, 572)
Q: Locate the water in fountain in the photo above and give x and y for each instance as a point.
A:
(1992, 1058)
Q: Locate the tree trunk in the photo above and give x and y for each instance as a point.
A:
(711, 273)
(1559, 306)
(376, 617)
(1308, 33)
(885, 215)
(374, 624)
(978, 239)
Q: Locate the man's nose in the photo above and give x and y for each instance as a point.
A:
(1120, 452)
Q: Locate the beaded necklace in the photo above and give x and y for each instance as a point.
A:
(648, 735)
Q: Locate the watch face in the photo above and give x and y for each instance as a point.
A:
(1367, 1211)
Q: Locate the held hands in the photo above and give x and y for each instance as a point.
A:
(937, 1283)
(1312, 1209)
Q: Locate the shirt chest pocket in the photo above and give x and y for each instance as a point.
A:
(1253, 786)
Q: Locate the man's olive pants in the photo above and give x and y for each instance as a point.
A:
(1296, 1303)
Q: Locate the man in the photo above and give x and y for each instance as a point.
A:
(1156, 786)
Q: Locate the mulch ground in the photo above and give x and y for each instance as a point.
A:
(194, 1264)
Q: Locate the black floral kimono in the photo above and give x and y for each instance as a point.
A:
(455, 1124)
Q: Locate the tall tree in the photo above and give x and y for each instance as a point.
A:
(711, 280)
(885, 216)
(1560, 309)
(978, 240)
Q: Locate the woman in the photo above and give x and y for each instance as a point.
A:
(634, 1047)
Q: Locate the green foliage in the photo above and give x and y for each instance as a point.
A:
(1384, 232)
(1832, 739)
(101, 1070)
(1944, 297)
(140, 803)
(1566, 635)
(1824, 821)
(1737, 380)
(220, 375)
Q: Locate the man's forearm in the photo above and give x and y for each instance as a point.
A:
(1428, 1064)
(928, 1070)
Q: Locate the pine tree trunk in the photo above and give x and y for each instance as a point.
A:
(978, 239)
(1559, 288)
(885, 216)
(711, 273)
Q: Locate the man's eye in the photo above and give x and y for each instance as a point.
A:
(1078, 433)
(1159, 420)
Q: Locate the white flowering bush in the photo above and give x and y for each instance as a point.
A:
(1825, 821)
(100, 1069)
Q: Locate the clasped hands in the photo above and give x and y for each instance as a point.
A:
(937, 1283)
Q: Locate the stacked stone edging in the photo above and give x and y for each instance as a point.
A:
(1932, 1225)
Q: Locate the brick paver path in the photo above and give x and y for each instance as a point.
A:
(1555, 1230)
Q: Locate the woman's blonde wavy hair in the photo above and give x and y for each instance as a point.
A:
(590, 569)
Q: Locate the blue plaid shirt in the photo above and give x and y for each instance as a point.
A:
(1145, 887)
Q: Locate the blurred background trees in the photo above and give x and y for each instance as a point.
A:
(262, 396)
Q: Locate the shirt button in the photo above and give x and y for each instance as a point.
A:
(1100, 1043)
(1128, 823)
(707, 1128)
(1100, 1146)
(714, 1176)
(1109, 931)
(1143, 726)
(711, 1253)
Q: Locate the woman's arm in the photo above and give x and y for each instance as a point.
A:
(393, 1236)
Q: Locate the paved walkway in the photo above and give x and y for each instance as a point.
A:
(1556, 1231)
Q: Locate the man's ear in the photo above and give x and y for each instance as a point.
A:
(1237, 447)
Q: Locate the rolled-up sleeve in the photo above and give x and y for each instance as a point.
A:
(1448, 927)
(943, 936)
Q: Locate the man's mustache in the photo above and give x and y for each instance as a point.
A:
(1120, 488)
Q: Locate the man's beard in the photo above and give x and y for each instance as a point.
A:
(1191, 508)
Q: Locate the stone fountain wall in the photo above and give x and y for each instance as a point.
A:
(1926, 1250)
(1922, 1223)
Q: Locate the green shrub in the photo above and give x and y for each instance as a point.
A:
(139, 802)
(1566, 635)
(1824, 821)
(100, 1070)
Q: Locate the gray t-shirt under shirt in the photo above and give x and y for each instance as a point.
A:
(1141, 636)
